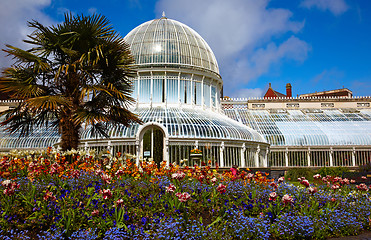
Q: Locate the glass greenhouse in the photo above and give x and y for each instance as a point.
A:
(178, 92)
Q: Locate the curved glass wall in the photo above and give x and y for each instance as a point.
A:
(187, 123)
(41, 137)
(307, 127)
(176, 88)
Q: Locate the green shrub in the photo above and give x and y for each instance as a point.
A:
(332, 171)
(365, 168)
(295, 173)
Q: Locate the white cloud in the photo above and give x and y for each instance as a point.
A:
(14, 15)
(248, 92)
(241, 33)
(336, 7)
(328, 75)
(92, 10)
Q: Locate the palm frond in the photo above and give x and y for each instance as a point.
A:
(90, 116)
(47, 103)
(38, 64)
(99, 130)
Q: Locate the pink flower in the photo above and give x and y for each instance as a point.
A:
(95, 213)
(31, 166)
(272, 196)
(119, 202)
(221, 188)
(9, 191)
(352, 181)
(286, 199)
(362, 187)
(305, 183)
(213, 180)
(6, 183)
(119, 172)
(49, 196)
(54, 169)
(364, 178)
(98, 172)
(312, 190)
(179, 175)
(10, 187)
(4, 164)
(106, 178)
(171, 188)
(281, 179)
(332, 199)
(250, 175)
(183, 197)
(201, 178)
(317, 176)
(335, 186)
(75, 174)
(107, 194)
(345, 181)
(234, 171)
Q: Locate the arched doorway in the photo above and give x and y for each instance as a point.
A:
(152, 142)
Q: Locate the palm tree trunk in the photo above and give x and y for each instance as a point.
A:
(70, 133)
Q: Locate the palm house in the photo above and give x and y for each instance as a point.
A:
(178, 92)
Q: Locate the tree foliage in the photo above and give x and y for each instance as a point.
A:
(77, 73)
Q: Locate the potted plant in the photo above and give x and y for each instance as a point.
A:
(196, 152)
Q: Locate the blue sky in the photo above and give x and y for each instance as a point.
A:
(315, 45)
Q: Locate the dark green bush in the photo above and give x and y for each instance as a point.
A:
(332, 171)
(295, 173)
(365, 168)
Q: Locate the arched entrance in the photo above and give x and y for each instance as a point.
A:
(152, 143)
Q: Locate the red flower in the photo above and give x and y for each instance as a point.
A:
(183, 197)
(286, 199)
(10, 187)
(362, 187)
(281, 179)
(273, 184)
(171, 188)
(305, 183)
(221, 188)
(119, 172)
(119, 202)
(106, 178)
(312, 190)
(335, 186)
(201, 178)
(95, 213)
(107, 194)
(179, 175)
(49, 196)
(75, 174)
(272, 196)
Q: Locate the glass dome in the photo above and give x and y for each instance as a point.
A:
(168, 42)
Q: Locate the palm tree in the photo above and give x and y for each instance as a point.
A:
(76, 74)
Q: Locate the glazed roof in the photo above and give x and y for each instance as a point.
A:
(166, 41)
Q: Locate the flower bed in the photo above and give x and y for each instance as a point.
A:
(77, 195)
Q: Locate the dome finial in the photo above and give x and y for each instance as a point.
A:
(163, 14)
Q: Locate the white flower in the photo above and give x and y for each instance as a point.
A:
(6, 183)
